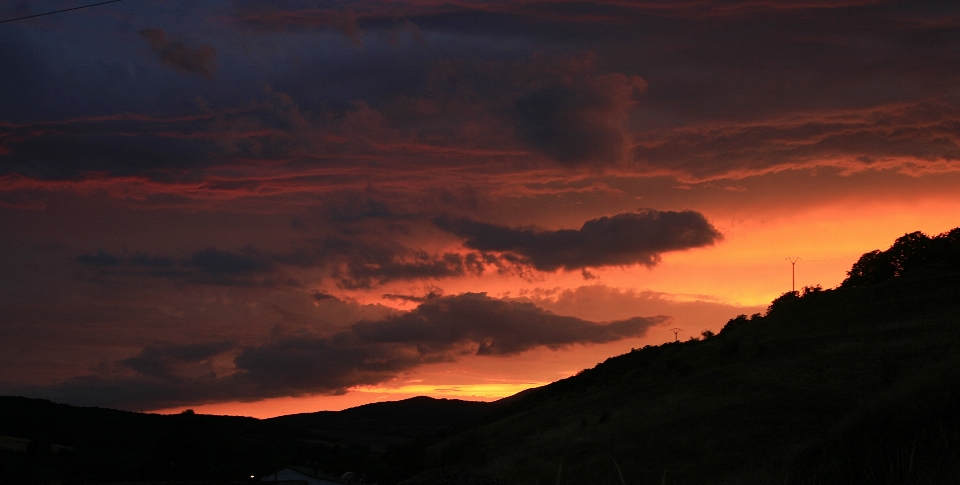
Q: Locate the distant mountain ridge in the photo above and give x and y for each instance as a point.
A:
(421, 411)
(384, 424)
(42, 440)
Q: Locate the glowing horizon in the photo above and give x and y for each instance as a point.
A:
(262, 208)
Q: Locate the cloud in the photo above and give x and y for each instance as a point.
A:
(166, 359)
(117, 145)
(623, 239)
(488, 326)
(505, 107)
(200, 60)
(444, 15)
(368, 264)
(909, 137)
(320, 296)
(357, 257)
(101, 258)
(599, 302)
(208, 267)
(579, 120)
(440, 329)
(214, 261)
(357, 261)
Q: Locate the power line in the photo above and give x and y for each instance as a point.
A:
(59, 11)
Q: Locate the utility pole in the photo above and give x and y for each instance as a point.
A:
(793, 273)
(676, 334)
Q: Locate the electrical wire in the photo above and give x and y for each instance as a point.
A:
(59, 11)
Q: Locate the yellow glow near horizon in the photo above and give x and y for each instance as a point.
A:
(747, 268)
(480, 391)
(268, 408)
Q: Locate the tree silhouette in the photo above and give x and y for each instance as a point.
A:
(783, 301)
(909, 252)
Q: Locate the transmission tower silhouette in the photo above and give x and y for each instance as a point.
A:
(793, 272)
(676, 334)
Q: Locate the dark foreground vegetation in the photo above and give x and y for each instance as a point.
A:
(858, 384)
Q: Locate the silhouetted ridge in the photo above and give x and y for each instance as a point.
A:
(854, 384)
(418, 411)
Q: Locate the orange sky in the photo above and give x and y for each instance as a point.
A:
(746, 271)
(261, 208)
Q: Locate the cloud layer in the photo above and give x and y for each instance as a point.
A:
(365, 261)
(441, 329)
(619, 240)
(646, 87)
(229, 187)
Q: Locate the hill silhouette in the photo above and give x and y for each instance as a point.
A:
(379, 425)
(41, 441)
(857, 384)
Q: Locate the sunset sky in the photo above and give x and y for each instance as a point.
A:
(265, 207)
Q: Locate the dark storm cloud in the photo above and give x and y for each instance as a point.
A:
(362, 263)
(580, 122)
(623, 239)
(444, 324)
(200, 60)
(353, 262)
(320, 296)
(702, 60)
(164, 359)
(358, 259)
(522, 95)
(303, 365)
(440, 329)
(413, 298)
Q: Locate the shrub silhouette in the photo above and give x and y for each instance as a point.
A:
(783, 301)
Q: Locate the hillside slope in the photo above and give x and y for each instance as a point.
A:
(380, 425)
(854, 385)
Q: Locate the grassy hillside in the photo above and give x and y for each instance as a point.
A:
(860, 384)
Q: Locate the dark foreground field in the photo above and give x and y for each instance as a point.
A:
(858, 384)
